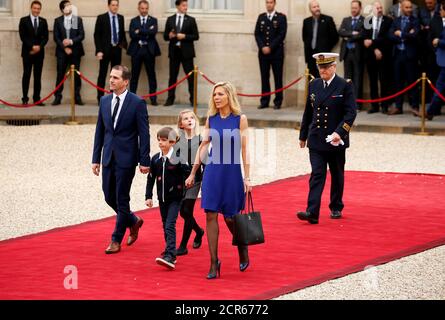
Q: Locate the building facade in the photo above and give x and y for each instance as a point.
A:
(226, 50)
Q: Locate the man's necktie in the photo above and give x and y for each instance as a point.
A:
(143, 23)
(178, 25)
(314, 34)
(350, 44)
(115, 38)
(325, 84)
(376, 29)
(116, 108)
(403, 25)
(36, 26)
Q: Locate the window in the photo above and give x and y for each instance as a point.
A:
(213, 6)
(5, 5)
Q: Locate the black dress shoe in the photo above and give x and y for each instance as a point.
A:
(181, 251)
(154, 103)
(197, 242)
(336, 214)
(79, 102)
(169, 102)
(373, 110)
(307, 216)
(41, 104)
(57, 101)
(25, 101)
(263, 107)
(277, 107)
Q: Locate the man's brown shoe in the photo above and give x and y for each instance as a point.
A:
(134, 232)
(113, 248)
(394, 111)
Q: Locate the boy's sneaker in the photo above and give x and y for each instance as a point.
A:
(167, 262)
(163, 255)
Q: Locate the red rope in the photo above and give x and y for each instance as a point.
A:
(390, 97)
(37, 102)
(169, 88)
(91, 83)
(143, 97)
(436, 90)
(258, 95)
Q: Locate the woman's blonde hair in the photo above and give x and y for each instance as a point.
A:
(230, 90)
(181, 115)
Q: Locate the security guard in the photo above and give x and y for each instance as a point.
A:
(328, 118)
(270, 32)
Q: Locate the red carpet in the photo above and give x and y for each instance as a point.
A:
(387, 216)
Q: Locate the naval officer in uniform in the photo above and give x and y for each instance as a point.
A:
(270, 33)
(328, 118)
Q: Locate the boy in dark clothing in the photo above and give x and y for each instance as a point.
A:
(169, 175)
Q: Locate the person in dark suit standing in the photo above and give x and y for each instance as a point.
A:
(144, 48)
(109, 39)
(351, 31)
(327, 120)
(438, 35)
(378, 57)
(122, 141)
(181, 31)
(68, 36)
(319, 35)
(270, 33)
(404, 35)
(33, 31)
(427, 52)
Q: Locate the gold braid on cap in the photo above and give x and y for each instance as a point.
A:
(323, 60)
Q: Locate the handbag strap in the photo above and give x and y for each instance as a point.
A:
(249, 201)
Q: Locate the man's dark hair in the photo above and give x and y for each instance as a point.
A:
(143, 2)
(126, 73)
(37, 3)
(357, 1)
(178, 2)
(168, 133)
(110, 1)
(62, 4)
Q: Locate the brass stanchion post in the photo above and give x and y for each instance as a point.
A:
(73, 121)
(307, 77)
(195, 90)
(423, 112)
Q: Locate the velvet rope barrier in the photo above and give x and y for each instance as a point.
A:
(37, 102)
(392, 96)
(257, 95)
(143, 97)
(436, 90)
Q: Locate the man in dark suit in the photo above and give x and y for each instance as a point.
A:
(438, 25)
(109, 39)
(427, 51)
(181, 31)
(378, 57)
(270, 33)
(144, 48)
(68, 36)
(328, 118)
(403, 35)
(319, 35)
(33, 31)
(351, 31)
(122, 140)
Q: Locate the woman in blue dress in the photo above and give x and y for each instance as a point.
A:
(223, 186)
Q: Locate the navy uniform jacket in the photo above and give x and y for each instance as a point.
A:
(271, 33)
(327, 111)
(148, 34)
(129, 142)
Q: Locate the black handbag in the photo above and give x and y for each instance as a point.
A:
(248, 228)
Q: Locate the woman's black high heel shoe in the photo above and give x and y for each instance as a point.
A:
(217, 274)
(243, 266)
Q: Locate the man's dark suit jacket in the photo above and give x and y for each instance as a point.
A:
(148, 34)
(189, 28)
(102, 34)
(327, 36)
(76, 35)
(382, 41)
(29, 38)
(346, 33)
(129, 143)
(410, 39)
